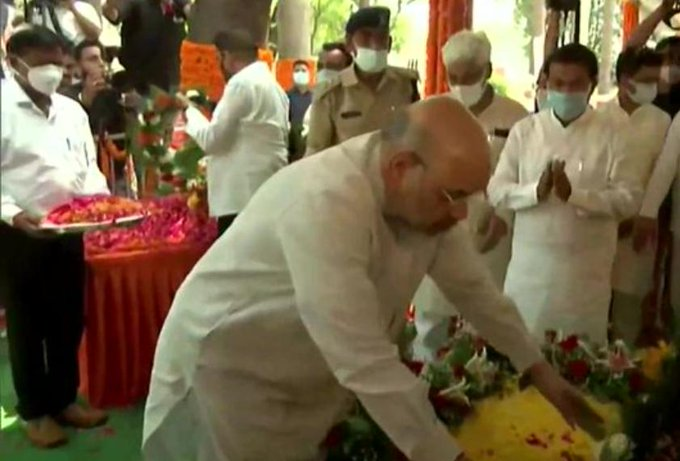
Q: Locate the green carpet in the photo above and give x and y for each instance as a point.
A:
(117, 441)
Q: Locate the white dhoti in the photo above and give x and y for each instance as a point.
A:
(632, 281)
(558, 287)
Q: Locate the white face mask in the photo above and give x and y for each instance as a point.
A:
(301, 78)
(643, 93)
(43, 79)
(325, 75)
(469, 95)
(542, 98)
(370, 60)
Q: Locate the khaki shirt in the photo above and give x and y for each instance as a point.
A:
(345, 107)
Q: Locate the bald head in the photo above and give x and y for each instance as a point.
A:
(441, 138)
(443, 132)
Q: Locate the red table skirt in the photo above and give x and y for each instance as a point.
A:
(127, 298)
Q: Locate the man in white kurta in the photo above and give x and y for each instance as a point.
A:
(467, 57)
(295, 311)
(246, 140)
(569, 178)
(667, 171)
(637, 74)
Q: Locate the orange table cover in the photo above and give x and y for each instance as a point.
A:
(127, 297)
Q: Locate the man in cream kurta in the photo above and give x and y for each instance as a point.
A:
(570, 178)
(467, 56)
(637, 74)
(296, 309)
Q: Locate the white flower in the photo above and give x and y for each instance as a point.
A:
(192, 184)
(617, 447)
(168, 156)
(193, 94)
(481, 369)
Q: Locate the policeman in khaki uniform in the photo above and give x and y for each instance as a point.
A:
(363, 96)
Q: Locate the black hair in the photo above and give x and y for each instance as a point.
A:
(667, 43)
(301, 62)
(577, 54)
(237, 42)
(80, 47)
(34, 38)
(630, 61)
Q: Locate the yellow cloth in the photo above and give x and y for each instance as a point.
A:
(500, 428)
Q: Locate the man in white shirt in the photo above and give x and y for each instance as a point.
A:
(467, 57)
(570, 177)
(295, 312)
(247, 138)
(637, 73)
(47, 159)
(74, 20)
(666, 171)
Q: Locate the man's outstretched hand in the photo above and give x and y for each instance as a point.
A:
(567, 400)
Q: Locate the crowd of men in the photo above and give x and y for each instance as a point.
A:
(464, 204)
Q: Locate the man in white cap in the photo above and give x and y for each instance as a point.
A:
(467, 57)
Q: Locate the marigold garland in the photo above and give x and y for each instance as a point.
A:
(631, 18)
(199, 68)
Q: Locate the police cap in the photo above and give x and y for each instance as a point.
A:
(374, 17)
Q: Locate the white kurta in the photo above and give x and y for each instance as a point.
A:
(432, 307)
(246, 140)
(646, 127)
(666, 171)
(562, 255)
(297, 308)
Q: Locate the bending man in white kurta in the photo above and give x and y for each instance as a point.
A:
(295, 311)
(570, 177)
(637, 73)
(467, 57)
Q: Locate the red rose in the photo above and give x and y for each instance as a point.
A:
(578, 370)
(458, 371)
(334, 437)
(415, 367)
(411, 313)
(570, 344)
(636, 382)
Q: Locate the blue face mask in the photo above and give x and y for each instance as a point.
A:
(567, 106)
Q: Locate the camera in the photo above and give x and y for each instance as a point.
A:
(563, 5)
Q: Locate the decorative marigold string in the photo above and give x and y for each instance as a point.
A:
(200, 68)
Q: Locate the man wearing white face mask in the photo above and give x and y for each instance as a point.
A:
(47, 159)
(364, 95)
(637, 72)
(333, 58)
(467, 57)
(570, 176)
(300, 98)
